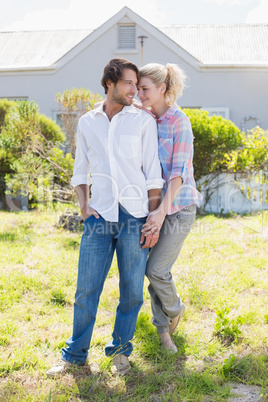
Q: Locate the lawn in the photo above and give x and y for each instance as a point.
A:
(222, 276)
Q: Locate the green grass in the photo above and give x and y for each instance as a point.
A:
(223, 264)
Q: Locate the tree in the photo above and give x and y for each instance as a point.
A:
(74, 103)
(30, 148)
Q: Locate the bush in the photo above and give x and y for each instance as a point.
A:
(50, 130)
(23, 128)
(5, 106)
(29, 157)
(214, 137)
(253, 154)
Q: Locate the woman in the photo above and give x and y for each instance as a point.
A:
(158, 89)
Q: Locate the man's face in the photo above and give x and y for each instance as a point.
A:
(124, 90)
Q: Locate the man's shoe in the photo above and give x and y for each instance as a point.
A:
(168, 343)
(121, 364)
(59, 369)
(176, 320)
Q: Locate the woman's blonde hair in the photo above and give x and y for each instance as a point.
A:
(170, 74)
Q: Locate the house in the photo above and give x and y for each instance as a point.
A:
(227, 66)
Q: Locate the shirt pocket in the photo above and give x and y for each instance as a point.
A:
(165, 148)
(129, 146)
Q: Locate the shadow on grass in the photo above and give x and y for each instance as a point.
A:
(159, 380)
(8, 236)
(68, 244)
(148, 341)
(152, 372)
(158, 376)
(164, 379)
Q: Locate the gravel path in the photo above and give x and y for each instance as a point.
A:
(245, 393)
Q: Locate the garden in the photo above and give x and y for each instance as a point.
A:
(221, 274)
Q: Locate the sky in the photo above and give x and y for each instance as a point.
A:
(74, 14)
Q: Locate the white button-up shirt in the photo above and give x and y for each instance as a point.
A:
(119, 158)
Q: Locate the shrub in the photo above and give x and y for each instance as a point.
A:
(5, 106)
(24, 129)
(30, 157)
(50, 130)
(227, 330)
(214, 137)
(253, 153)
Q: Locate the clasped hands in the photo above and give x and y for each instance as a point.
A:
(150, 230)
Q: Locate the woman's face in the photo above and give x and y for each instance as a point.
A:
(148, 93)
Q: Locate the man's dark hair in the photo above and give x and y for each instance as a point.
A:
(114, 71)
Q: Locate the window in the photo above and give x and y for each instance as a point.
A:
(15, 98)
(190, 107)
(127, 36)
(250, 122)
(218, 111)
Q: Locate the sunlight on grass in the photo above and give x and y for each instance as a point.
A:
(223, 263)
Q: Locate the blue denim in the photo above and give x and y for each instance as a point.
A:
(99, 241)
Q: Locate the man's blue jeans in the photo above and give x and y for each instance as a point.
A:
(99, 241)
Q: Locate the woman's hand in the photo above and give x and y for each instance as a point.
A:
(150, 240)
(138, 105)
(154, 222)
(87, 211)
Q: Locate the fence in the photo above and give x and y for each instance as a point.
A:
(237, 192)
(222, 193)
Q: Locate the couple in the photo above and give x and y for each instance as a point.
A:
(128, 156)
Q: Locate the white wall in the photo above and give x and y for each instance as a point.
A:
(239, 193)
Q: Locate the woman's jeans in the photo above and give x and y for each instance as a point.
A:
(166, 303)
(99, 241)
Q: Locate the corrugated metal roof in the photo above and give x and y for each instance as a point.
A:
(210, 44)
(226, 44)
(37, 48)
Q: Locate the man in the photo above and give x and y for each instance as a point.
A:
(117, 153)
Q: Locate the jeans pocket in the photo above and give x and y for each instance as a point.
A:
(87, 219)
(187, 215)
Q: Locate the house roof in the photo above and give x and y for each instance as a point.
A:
(206, 45)
(37, 48)
(222, 44)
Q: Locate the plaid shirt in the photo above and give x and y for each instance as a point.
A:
(175, 148)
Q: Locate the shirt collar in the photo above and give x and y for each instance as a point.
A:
(126, 109)
(129, 109)
(169, 113)
(99, 109)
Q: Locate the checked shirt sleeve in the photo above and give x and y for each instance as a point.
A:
(182, 148)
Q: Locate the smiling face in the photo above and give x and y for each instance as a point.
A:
(148, 93)
(124, 90)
